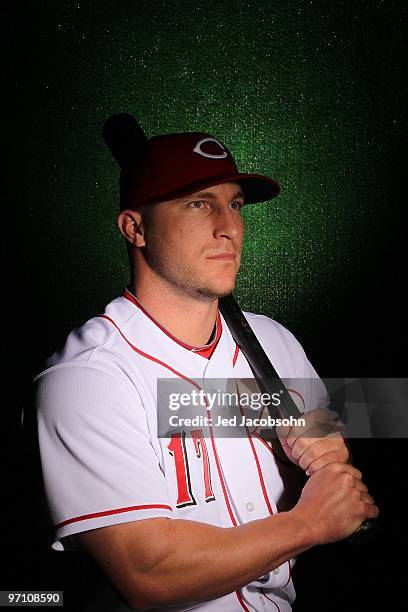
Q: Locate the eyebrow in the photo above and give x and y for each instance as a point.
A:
(208, 194)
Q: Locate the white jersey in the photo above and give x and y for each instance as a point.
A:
(104, 463)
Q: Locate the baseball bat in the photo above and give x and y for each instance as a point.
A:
(265, 374)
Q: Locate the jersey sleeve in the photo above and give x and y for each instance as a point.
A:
(98, 463)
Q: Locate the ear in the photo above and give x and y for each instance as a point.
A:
(131, 227)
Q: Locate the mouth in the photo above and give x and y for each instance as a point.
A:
(223, 257)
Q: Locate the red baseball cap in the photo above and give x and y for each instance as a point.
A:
(176, 165)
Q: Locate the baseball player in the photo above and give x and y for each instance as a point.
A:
(188, 519)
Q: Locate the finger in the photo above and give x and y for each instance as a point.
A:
(340, 467)
(335, 456)
(305, 436)
(320, 418)
(367, 498)
(360, 486)
(318, 430)
(372, 511)
(302, 445)
(310, 449)
(283, 432)
(350, 469)
(292, 432)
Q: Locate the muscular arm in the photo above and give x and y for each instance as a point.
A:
(160, 561)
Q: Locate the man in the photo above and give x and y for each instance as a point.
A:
(189, 519)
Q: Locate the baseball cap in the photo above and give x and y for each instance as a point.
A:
(175, 165)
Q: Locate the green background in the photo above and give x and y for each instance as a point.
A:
(306, 92)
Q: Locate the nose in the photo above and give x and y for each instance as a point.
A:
(228, 223)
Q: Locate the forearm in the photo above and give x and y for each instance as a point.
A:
(159, 561)
(200, 562)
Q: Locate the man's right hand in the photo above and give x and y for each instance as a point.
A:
(334, 502)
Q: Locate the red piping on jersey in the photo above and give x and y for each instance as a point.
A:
(270, 449)
(234, 361)
(197, 386)
(265, 443)
(261, 480)
(217, 461)
(264, 491)
(143, 354)
(241, 601)
(274, 603)
(299, 394)
(85, 517)
(206, 352)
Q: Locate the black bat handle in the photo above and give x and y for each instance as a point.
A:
(367, 528)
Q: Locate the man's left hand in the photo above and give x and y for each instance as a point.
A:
(317, 443)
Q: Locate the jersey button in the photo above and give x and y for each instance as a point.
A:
(276, 571)
(250, 506)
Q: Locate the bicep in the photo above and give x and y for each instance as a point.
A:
(129, 555)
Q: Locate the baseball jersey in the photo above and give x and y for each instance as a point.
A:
(104, 462)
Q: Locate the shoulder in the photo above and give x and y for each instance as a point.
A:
(75, 393)
(267, 330)
(86, 343)
(281, 346)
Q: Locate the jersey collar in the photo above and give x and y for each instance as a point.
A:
(205, 351)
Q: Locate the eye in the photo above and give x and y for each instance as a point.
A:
(236, 205)
(197, 204)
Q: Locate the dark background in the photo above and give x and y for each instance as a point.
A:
(312, 93)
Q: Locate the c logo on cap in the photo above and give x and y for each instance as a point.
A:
(197, 149)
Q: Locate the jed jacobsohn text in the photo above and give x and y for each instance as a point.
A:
(222, 398)
(235, 421)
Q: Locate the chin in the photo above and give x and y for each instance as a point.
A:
(216, 291)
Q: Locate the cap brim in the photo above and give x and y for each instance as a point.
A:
(257, 188)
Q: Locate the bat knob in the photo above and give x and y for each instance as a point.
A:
(366, 529)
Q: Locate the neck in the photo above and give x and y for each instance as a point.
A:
(189, 319)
